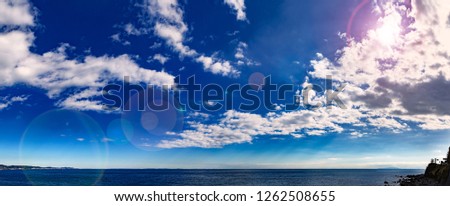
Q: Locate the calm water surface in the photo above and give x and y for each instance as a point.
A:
(168, 177)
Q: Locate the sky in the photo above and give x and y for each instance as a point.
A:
(391, 58)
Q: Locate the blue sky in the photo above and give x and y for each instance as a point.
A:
(392, 55)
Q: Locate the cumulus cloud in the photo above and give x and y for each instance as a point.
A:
(13, 48)
(401, 68)
(239, 7)
(170, 26)
(217, 66)
(54, 72)
(15, 12)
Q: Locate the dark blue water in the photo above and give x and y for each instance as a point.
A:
(166, 177)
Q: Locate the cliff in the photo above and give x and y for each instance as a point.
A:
(436, 174)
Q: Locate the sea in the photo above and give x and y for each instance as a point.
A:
(204, 177)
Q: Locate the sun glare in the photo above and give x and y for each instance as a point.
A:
(389, 32)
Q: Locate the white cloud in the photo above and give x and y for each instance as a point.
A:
(5, 102)
(298, 136)
(15, 12)
(397, 75)
(199, 115)
(155, 45)
(217, 66)
(130, 29)
(117, 38)
(174, 36)
(239, 8)
(393, 78)
(13, 48)
(239, 127)
(169, 25)
(233, 128)
(161, 58)
(357, 134)
(55, 73)
(316, 132)
(386, 122)
(240, 55)
(105, 139)
(127, 30)
(82, 101)
(240, 50)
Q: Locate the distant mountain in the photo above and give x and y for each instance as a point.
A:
(389, 168)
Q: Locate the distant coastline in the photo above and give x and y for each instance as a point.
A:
(28, 167)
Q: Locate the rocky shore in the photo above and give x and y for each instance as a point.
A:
(417, 180)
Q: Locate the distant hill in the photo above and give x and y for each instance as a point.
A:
(27, 167)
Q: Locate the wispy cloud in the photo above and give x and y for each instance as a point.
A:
(118, 38)
(170, 26)
(160, 58)
(239, 127)
(5, 102)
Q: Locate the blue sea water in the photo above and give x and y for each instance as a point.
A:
(172, 177)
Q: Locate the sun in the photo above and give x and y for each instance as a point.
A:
(389, 32)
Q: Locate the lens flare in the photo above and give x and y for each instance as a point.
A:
(256, 79)
(151, 126)
(60, 138)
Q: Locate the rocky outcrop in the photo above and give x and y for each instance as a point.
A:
(435, 174)
(438, 172)
(418, 180)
